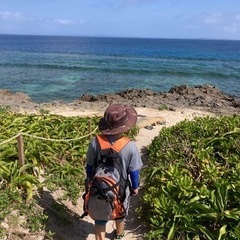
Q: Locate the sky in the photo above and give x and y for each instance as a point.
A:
(207, 19)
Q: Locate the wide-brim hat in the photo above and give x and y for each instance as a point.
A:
(118, 118)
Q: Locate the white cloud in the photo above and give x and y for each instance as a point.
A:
(237, 17)
(213, 18)
(202, 20)
(6, 16)
(64, 21)
(232, 28)
(137, 1)
(127, 3)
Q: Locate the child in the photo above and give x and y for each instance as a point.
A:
(117, 120)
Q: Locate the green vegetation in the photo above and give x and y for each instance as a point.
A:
(163, 107)
(192, 186)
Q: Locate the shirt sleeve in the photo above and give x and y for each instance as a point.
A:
(135, 161)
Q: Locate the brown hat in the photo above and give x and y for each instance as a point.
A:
(118, 118)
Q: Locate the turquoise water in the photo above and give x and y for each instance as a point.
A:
(51, 68)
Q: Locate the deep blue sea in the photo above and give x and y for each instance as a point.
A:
(49, 68)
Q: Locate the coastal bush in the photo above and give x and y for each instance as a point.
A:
(46, 148)
(192, 186)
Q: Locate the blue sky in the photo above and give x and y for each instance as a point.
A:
(214, 19)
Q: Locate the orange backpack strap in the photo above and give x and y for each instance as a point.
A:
(117, 146)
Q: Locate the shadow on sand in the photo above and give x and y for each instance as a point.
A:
(62, 223)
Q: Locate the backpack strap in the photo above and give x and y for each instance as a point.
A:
(117, 146)
(113, 186)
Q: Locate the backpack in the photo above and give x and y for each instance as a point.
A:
(105, 194)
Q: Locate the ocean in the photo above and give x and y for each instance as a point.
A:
(50, 68)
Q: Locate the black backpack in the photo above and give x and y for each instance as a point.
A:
(105, 194)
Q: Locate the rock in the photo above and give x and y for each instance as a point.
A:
(149, 127)
(204, 97)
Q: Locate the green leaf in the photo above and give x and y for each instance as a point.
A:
(232, 214)
(203, 208)
(171, 232)
(206, 232)
(211, 215)
(194, 199)
(222, 232)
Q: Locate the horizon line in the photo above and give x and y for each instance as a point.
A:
(109, 36)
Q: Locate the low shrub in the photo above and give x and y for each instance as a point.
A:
(192, 186)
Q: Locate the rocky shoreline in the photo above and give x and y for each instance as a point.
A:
(204, 97)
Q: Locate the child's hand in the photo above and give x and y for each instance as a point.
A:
(134, 192)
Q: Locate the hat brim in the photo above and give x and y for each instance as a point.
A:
(132, 119)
